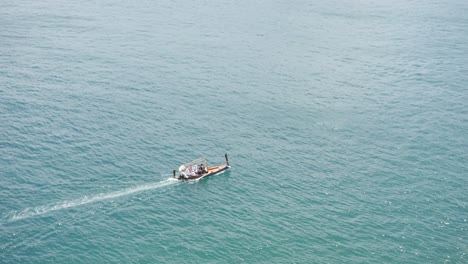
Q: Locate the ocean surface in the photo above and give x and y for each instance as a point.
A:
(346, 125)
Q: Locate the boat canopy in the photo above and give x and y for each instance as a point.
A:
(198, 161)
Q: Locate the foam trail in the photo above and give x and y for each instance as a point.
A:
(34, 211)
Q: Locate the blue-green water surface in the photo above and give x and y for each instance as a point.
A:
(346, 124)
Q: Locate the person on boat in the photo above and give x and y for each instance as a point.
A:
(202, 169)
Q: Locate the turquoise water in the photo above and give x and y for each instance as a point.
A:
(346, 124)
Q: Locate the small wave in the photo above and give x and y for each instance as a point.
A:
(34, 211)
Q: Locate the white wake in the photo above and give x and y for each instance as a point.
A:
(34, 211)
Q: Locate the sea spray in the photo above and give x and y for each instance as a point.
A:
(40, 210)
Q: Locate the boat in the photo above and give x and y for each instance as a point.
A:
(192, 171)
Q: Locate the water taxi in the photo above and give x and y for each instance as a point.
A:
(198, 169)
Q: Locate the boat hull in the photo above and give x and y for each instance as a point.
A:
(211, 171)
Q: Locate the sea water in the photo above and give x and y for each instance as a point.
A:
(345, 122)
